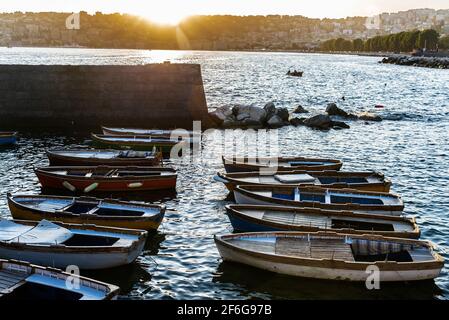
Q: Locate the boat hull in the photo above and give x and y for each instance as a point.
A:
(229, 254)
(141, 223)
(106, 185)
(6, 140)
(88, 259)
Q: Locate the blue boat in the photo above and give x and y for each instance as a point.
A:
(7, 138)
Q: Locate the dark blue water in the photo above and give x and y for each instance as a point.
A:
(181, 260)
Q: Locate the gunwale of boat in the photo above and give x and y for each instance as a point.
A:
(436, 262)
(251, 190)
(241, 211)
(159, 210)
(372, 178)
(24, 270)
(75, 154)
(63, 171)
(131, 139)
(133, 131)
(8, 134)
(128, 241)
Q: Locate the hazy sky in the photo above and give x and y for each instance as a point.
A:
(174, 10)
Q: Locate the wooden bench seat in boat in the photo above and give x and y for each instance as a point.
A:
(10, 280)
(315, 249)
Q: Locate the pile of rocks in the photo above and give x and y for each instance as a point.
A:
(427, 62)
(252, 116)
(241, 116)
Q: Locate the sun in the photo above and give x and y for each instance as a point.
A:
(164, 15)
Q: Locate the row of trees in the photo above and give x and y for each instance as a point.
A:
(399, 42)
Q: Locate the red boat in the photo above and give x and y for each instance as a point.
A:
(107, 179)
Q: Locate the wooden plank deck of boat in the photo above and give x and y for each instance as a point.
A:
(315, 248)
(10, 279)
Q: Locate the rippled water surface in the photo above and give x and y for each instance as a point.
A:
(180, 260)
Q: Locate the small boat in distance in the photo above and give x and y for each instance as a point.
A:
(60, 245)
(177, 134)
(24, 281)
(332, 256)
(368, 181)
(273, 164)
(136, 142)
(316, 197)
(85, 210)
(93, 157)
(295, 73)
(8, 138)
(252, 218)
(107, 179)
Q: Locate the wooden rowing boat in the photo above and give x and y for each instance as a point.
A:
(138, 143)
(316, 197)
(60, 245)
(252, 218)
(328, 255)
(175, 134)
(368, 181)
(83, 157)
(107, 179)
(84, 210)
(7, 138)
(24, 281)
(273, 164)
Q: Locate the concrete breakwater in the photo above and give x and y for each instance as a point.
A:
(427, 62)
(83, 97)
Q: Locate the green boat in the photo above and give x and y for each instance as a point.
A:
(137, 142)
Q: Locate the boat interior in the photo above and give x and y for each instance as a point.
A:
(325, 221)
(301, 178)
(335, 248)
(329, 197)
(111, 173)
(48, 233)
(16, 283)
(80, 206)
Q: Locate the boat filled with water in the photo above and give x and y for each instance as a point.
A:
(332, 256)
(60, 245)
(322, 198)
(253, 218)
(368, 181)
(96, 157)
(24, 281)
(107, 179)
(85, 210)
(275, 164)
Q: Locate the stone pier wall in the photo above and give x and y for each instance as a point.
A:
(48, 97)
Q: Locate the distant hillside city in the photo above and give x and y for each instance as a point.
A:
(219, 32)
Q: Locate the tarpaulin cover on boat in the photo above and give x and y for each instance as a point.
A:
(43, 233)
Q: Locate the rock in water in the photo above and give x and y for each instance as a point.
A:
(333, 110)
(283, 114)
(221, 113)
(297, 121)
(368, 116)
(321, 121)
(270, 109)
(340, 125)
(300, 109)
(275, 122)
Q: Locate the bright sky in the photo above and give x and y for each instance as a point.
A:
(172, 11)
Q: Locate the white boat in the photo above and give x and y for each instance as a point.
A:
(59, 245)
(24, 281)
(175, 134)
(332, 256)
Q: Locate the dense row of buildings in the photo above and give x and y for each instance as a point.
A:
(207, 32)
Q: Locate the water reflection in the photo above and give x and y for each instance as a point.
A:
(256, 283)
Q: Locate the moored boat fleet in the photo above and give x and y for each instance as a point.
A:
(79, 229)
(303, 217)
